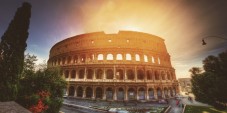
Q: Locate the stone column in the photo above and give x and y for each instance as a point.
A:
(115, 94)
(155, 94)
(114, 77)
(147, 93)
(137, 94)
(125, 74)
(94, 71)
(126, 93)
(75, 93)
(104, 93)
(93, 92)
(145, 74)
(84, 93)
(135, 73)
(104, 73)
(85, 73)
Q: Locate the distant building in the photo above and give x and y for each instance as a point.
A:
(185, 84)
(124, 66)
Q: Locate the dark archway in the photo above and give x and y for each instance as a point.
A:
(131, 94)
(141, 94)
(130, 74)
(90, 74)
(120, 94)
(109, 94)
(99, 74)
(159, 93)
(140, 74)
(89, 92)
(149, 75)
(98, 93)
(81, 74)
(73, 74)
(79, 91)
(67, 74)
(151, 93)
(71, 91)
(109, 74)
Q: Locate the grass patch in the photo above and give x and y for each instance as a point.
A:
(202, 109)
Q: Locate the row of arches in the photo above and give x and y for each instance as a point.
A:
(120, 93)
(119, 74)
(108, 57)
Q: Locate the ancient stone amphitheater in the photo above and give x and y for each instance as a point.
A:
(124, 66)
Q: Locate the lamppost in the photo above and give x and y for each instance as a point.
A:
(214, 36)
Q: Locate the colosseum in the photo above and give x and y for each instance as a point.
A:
(124, 66)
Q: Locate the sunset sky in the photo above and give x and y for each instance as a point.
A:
(182, 23)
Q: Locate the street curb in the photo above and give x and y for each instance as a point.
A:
(167, 109)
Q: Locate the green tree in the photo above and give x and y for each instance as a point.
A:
(43, 80)
(12, 47)
(210, 86)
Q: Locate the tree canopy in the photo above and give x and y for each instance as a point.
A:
(210, 86)
(12, 47)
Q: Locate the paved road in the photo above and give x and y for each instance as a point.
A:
(175, 108)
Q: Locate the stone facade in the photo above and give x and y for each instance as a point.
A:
(124, 66)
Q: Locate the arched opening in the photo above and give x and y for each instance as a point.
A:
(119, 74)
(120, 94)
(145, 58)
(137, 57)
(141, 94)
(69, 60)
(109, 94)
(100, 57)
(98, 93)
(149, 75)
(81, 74)
(119, 57)
(73, 74)
(128, 57)
(156, 75)
(109, 74)
(130, 74)
(166, 93)
(82, 58)
(151, 93)
(67, 74)
(131, 94)
(159, 93)
(99, 74)
(163, 75)
(75, 59)
(109, 57)
(89, 92)
(79, 91)
(71, 91)
(140, 74)
(174, 91)
(90, 73)
(168, 76)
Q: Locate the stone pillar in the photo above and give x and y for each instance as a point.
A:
(75, 93)
(94, 74)
(147, 94)
(84, 93)
(115, 94)
(70, 73)
(145, 74)
(125, 74)
(137, 94)
(126, 93)
(135, 73)
(93, 92)
(163, 93)
(104, 93)
(155, 94)
(104, 73)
